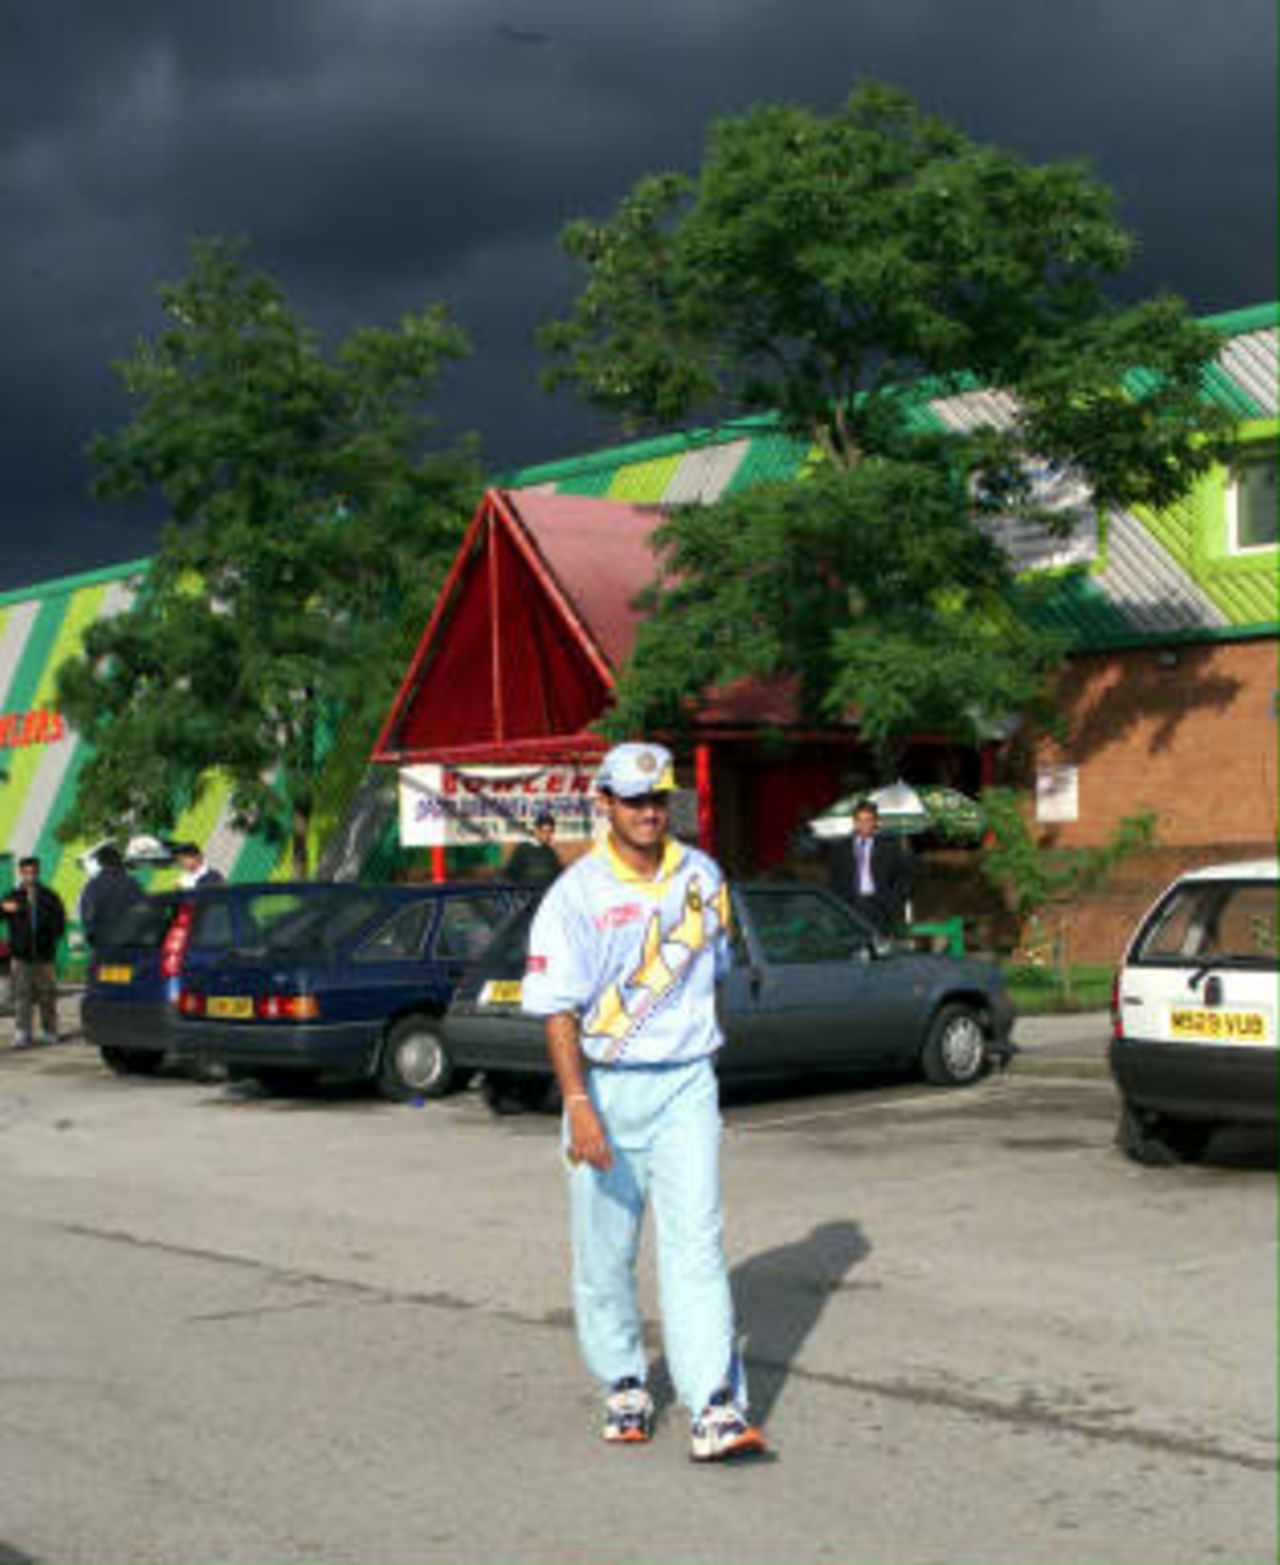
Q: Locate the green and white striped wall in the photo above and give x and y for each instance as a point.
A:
(39, 629)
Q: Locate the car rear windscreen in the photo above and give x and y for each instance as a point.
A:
(141, 924)
(1231, 924)
(281, 922)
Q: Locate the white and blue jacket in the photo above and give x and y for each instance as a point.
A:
(636, 960)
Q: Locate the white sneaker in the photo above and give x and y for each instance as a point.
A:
(21, 1041)
(723, 1429)
(628, 1412)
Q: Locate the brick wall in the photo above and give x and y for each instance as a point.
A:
(1190, 732)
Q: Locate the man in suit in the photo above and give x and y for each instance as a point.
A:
(874, 874)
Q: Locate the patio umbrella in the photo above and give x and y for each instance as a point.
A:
(906, 811)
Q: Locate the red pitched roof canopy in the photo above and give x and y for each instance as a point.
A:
(520, 651)
(537, 615)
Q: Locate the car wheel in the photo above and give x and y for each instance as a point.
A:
(956, 1051)
(416, 1063)
(1156, 1141)
(131, 1062)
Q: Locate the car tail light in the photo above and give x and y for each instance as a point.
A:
(190, 1002)
(1117, 1027)
(177, 938)
(286, 1007)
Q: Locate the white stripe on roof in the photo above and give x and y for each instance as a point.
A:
(1251, 362)
(13, 641)
(704, 475)
(1147, 584)
(976, 410)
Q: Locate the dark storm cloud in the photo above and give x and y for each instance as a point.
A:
(383, 152)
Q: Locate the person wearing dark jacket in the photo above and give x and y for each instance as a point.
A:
(874, 874)
(535, 863)
(107, 895)
(37, 920)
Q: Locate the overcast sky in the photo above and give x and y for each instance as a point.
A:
(383, 153)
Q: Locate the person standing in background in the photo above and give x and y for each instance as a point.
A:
(37, 920)
(106, 895)
(873, 873)
(195, 871)
(535, 863)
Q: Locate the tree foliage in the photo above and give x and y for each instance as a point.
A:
(309, 527)
(836, 271)
(1042, 883)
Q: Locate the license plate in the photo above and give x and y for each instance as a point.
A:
(1211, 1025)
(115, 975)
(232, 1007)
(502, 991)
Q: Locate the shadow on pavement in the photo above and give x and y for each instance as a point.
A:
(778, 1297)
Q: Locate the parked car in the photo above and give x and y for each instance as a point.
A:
(1193, 1040)
(123, 1010)
(289, 981)
(812, 989)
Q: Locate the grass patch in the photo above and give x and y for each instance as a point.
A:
(1039, 991)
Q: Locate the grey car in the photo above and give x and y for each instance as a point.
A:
(812, 989)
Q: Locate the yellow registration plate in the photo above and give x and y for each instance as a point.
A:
(232, 1007)
(115, 975)
(1208, 1024)
(502, 991)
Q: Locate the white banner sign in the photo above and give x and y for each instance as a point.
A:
(453, 806)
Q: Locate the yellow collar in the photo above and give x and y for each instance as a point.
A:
(672, 858)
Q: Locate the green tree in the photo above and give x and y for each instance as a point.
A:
(836, 271)
(310, 525)
(1043, 884)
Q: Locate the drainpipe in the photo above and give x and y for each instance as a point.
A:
(706, 813)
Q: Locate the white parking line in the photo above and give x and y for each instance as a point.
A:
(841, 1113)
(932, 1096)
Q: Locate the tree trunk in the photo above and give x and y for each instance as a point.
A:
(300, 842)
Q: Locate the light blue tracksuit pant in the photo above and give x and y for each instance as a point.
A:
(663, 1124)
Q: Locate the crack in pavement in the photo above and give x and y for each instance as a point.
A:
(1023, 1414)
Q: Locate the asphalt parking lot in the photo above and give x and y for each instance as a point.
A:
(324, 1328)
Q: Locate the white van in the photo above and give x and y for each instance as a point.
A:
(1194, 1013)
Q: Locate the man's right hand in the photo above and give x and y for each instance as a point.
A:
(587, 1140)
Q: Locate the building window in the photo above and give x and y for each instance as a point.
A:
(1251, 505)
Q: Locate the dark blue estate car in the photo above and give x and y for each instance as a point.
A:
(288, 982)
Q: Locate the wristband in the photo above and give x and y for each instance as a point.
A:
(577, 1097)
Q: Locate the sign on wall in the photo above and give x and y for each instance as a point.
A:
(454, 806)
(459, 806)
(43, 726)
(1057, 795)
